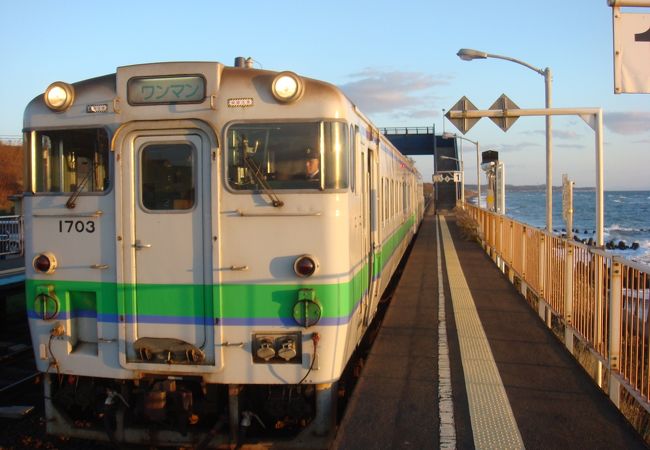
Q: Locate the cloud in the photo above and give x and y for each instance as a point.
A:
(396, 93)
(569, 146)
(559, 134)
(627, 122)
(519, 146)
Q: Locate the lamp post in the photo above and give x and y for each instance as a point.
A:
(478, 165)
(462, 177)
(467, 54)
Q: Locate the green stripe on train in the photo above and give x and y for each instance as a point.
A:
(235, 300)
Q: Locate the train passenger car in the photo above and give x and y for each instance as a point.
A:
(207, 247)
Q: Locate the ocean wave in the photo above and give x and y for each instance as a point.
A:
(642, 259)
(627, 217)
(618, 228)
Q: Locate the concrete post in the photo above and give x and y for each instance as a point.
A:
(615, 309)
(233, 410)
(541, 308)
(326, 395)
(568, 296)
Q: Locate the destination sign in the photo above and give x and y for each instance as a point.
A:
(166, 90)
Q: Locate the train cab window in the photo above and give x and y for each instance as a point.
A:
(167, 177)
(274, 156)
(68, 161)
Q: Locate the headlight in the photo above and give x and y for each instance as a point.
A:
(287, 87)
(59, 96)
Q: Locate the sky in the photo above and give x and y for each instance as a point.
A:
(396, 60)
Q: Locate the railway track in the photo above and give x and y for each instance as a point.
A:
(18, 372)
(18, 369)
(21, 394)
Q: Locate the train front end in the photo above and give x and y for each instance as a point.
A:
(191, 229)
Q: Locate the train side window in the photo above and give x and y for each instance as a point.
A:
(68, 161)
(392, 198)
(353, 157)
(385, 202)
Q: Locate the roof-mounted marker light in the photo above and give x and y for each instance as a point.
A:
(59, 96)
(287, 87)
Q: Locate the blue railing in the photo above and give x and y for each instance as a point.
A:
(11, 235)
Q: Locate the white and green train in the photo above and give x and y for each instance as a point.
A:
(185, 270)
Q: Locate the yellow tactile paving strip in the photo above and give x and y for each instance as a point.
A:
(493, 424)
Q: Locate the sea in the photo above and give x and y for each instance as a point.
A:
(627, 217)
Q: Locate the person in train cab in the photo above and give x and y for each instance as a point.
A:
(312, 164)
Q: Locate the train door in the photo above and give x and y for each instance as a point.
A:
(370, 229)
(166, 199)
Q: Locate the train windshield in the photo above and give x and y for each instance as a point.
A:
(68, 160)
(312, 155)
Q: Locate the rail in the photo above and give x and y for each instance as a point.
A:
(11, 235)
(600, 299)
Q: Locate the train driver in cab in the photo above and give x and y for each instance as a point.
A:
(312, 164)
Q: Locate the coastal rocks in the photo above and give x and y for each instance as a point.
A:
(611, 245)
(576, 231)
(621, 245)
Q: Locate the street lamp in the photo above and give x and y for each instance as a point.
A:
(478, 164)
(467, 54)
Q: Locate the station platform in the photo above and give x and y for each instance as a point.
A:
(462, 361)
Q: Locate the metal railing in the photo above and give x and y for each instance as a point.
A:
(601, 299)
(11, 235)
(407, 130)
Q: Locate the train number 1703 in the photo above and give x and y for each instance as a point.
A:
(79, 226)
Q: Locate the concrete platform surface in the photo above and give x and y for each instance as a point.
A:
(396, 404)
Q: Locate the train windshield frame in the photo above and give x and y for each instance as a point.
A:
(288, 156)
(67, 161)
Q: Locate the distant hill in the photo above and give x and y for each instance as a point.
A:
(11, 174)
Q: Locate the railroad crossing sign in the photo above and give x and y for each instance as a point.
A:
(463, 123)
(503, 112)
(504, 103)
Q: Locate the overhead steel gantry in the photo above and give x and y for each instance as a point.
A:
(423, 141)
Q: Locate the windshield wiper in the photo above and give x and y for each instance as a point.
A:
(259, 177)
(72, 200)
